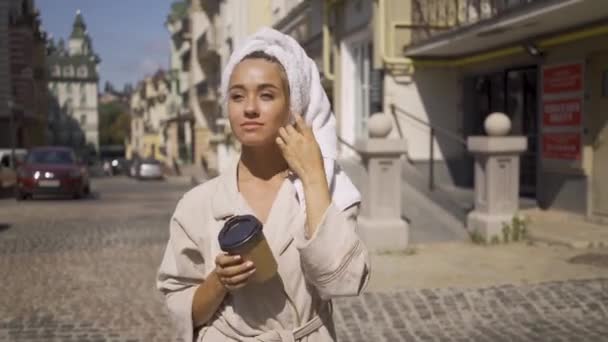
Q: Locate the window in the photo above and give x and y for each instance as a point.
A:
(6, 161)
(45, 156)
(83, 119)
(56, 71)
(68, 71)
(68, 88)
(83, 99)
(82, 71)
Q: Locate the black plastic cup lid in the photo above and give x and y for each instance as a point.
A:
(237, 231)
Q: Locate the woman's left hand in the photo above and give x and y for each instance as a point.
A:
(301, 150)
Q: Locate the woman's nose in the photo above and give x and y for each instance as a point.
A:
(251, 108)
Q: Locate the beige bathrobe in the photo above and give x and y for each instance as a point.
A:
(296, 307)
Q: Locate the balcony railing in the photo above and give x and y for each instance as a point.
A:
(431, 17)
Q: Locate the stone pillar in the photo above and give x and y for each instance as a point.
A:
(496, 177)
(380, 224)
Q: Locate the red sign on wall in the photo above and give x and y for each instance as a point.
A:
(562, 113)
(563, 145)
(563, 78)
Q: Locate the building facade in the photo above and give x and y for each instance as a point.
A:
(73, 83)
(23, 79)
(180, 123)
(439, 67)
(149, 108)
(544, 64)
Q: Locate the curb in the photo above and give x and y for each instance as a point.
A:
(576, 244)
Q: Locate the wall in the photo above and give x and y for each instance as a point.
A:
(566, 189)
(434, 96)
(5, 85)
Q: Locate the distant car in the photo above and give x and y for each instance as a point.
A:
(119, 166)
(52, 171)
(149, 169)
(133, 167)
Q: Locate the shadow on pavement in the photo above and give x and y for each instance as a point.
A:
(93, 196)
(6, 193)
(4, 226)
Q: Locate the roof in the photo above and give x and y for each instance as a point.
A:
(79, 28)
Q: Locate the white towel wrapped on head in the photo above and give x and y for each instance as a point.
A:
(308, 98)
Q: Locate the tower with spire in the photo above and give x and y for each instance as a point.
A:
(73, 81)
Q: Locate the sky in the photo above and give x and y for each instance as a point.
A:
(128, 35)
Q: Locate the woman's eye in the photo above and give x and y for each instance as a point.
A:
(267, 96)
(236, 97)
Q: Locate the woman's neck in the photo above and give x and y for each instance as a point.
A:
(263, 163)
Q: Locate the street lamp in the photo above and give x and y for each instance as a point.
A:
(12, 130)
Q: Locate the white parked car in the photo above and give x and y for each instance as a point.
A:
(149, 169)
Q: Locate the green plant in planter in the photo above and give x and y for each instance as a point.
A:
(506, 232)
(516, 230)
(476, 237)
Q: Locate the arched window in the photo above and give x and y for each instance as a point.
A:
(82, 71)
(68, 71)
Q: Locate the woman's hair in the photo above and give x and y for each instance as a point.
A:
(272, 59)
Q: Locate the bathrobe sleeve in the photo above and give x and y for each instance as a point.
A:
(334, 259)
(180, 273)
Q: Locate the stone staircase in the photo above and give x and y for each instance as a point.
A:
(433, 216)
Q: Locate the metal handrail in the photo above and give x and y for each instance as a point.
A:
(342, 141)
(447, 133)
(439, 129)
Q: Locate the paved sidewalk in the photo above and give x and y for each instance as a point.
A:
(565, 229)
(466, 265)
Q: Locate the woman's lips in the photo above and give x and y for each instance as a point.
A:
(251, 125)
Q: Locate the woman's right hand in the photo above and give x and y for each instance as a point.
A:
(232, 271)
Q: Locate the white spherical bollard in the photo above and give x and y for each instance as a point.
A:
(497, 124)
(379, 125)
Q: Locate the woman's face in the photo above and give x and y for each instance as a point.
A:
(258, 102)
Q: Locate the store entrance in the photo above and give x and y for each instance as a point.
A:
(515, 93)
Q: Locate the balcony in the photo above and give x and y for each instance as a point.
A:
(208, 56)
(431, 17)
(453, 28)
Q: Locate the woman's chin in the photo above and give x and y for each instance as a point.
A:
(255, 141)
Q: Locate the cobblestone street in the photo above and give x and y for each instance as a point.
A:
(84, 271)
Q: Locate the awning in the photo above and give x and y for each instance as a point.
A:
(518, 26)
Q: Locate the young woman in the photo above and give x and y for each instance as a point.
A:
(287, 177)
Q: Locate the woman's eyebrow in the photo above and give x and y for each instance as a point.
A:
(237, 86)
(267, 85)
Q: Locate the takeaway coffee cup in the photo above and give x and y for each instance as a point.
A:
(243, 235)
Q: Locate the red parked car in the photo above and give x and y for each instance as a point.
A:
(52, 171)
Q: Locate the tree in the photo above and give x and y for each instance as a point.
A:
(114, 123)
(108, 88)
(128, 89)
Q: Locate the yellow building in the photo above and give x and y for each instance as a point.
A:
(149, 110)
